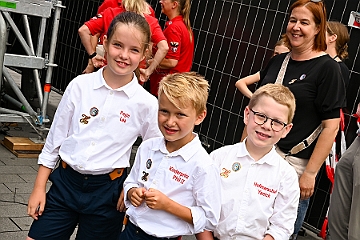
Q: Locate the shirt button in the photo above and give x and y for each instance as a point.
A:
(102, 119)
(86, 178)
(93, 143)
(111, 92)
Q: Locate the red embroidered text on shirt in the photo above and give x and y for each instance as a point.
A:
(124, 116)
(264, 191)
(178, 176)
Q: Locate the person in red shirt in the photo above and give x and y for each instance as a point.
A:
(180, 40)
(101, 22)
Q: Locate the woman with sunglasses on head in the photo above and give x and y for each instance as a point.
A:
(316, 81)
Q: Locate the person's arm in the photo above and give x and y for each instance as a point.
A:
(88, 41)
(90, 67)
(36, 203)
(154, 62)
(205, 235)
(319, 155)
(268, 237)
(168, 63)
(285, 205)
(243, 84)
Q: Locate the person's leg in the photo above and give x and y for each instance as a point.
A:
(130, 233)
(58, 220)
(354, 221)
(299, 164)
(303, 206)
(99, 218)
(340, 200)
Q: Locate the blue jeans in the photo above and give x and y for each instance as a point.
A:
(303, 206)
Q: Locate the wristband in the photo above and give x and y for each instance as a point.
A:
(92, 55)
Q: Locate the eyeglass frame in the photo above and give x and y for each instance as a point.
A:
(316, 1)
(267, 118)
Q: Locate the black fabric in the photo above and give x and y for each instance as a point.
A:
(319, 90)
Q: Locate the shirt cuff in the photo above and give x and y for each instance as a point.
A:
(199, 219)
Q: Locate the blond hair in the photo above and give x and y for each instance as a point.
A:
(279, 93)
(185, 89)
(137, 6)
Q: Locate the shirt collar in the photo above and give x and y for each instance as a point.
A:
(186, 152)
(269, 158)
(175, 19)
(129, 89)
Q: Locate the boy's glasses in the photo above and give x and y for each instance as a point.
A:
(316, 1)
(260, 119)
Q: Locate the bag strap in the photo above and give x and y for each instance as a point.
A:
(310, 139)
(306, 142)
(281, 74)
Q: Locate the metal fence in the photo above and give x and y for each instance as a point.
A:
(233, 38)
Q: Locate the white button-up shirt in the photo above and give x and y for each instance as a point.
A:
(258, 197)
(187, 176)
(95, 126)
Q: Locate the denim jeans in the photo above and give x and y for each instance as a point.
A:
(303, 206)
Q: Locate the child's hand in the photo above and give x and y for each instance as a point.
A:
(120, 206)
(36, 203)
(155, 199)
(136, 196)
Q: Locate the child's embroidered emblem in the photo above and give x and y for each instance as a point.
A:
(225, 173)
(236, 166)
(84, 119)
(174, 46)
(148, 163)
(94, 111)
(145, 176)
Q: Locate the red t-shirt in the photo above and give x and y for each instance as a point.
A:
(180, 48)
(101, 23)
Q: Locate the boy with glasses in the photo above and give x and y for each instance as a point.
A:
(259, 190)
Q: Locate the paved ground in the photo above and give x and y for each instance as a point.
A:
(17, 176)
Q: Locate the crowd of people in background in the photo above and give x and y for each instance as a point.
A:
(258, 188)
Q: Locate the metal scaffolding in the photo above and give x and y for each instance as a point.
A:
(32, 59)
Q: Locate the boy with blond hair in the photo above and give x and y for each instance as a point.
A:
(260, 191)
(170, 189)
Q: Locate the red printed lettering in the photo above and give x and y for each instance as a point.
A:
(124, 116)
(263, 193)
